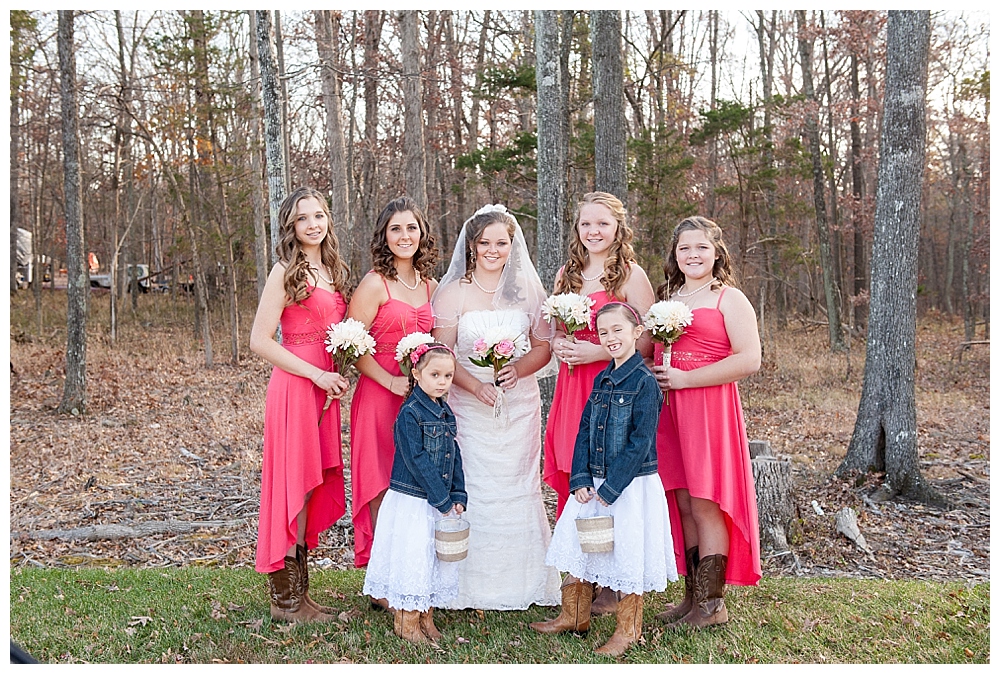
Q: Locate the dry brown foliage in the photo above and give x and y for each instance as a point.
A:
(167, 440)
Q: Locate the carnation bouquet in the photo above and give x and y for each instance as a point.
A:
(406, 346)
(495, 349)
(574, 311)
(666, 321)
(347, 341)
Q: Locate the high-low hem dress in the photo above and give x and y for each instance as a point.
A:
(702, 447)
(301, 455)
(373, 411)
(568, 401)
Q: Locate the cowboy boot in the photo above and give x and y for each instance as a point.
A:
(605, 601)
(427, 625)
(710, 587)
(379, 604)
(675, 612)
(286, 599)
(629, 627)
(302, 557)
(575, 615)
(406, 624)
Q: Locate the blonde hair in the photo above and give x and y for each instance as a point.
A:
(722, 269)
(289, 250)
(621, 255)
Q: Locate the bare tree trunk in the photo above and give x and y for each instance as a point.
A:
(273, 133)
(885, 433)
(609, 103)
(416, 176)
(968, 300)
(858, 192)
(819, 200)
(15, 166)
(552, 147)
(835, 247)
(327, 36)
(286, 145)
(373, 36)
(713, 141)
(260, 248)
(74, 399)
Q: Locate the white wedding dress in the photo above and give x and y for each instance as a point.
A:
(508, 530)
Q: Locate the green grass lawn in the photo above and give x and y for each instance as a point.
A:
(221, 615)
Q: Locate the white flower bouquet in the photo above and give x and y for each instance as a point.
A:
(347, 341)
(574, 311)
(406, 346)
(666, 321)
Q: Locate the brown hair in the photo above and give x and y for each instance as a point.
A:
(433, 349)
(289, 250)
(474, 227)
(722, 269)
(624, 308)
(620, 256)
(426, 257)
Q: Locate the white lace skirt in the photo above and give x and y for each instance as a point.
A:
(404, 568)
(643, 556)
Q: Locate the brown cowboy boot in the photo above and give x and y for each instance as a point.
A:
(286, 601)
(710, 587)
(302, 556)
(675, 612)
(427, 625)
(605, 602)
(629, 627)
(575, 615)
(406, 624)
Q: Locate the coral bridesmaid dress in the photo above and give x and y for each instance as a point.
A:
(568, 401)
(300, 454)
(373, 412)
(702, 447)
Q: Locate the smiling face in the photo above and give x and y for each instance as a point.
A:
(311, 222)
(435, 375)
(618, 334)
(596, 228)
(696, 256)
(493, 247)
(402, 234)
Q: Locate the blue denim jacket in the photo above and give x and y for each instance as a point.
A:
(427, 463)
(617, 436)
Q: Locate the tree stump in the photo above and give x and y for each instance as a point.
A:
(772, 478)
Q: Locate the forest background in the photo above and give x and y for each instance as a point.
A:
(719, 118)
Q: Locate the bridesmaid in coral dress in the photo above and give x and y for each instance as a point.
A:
(702, 449)
(392, 300)
(302, 479)
(602, 266)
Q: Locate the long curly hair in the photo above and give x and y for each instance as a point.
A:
(722, 270)
(426, 257)
(289, 250)
(474, 227)
(621, 255)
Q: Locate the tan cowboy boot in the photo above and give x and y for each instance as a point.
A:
(710, 587)
(302, 557)
(406, 624)
(605, 602)
(675, 612)
(629, 627)
(286, 600)
(575, 615)
(427, 625)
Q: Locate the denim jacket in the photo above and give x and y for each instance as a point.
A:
(427, 463)
(617, 436)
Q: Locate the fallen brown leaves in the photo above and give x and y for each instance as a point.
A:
(167, 439)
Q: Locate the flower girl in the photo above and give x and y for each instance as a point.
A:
(426, 484)
(614, 474)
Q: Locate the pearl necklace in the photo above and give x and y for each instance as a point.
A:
(488, 292)
(407, 285)
(316, 269)
(680, 294)
(587, 278)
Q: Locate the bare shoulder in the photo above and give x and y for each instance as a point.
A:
(635, 270)
(734, 300)
(370, 288)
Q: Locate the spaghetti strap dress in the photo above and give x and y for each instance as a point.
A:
(568, 401)
(373, 411)
(302, 451)
(702, 446)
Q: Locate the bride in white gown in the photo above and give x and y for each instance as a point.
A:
(491, 284)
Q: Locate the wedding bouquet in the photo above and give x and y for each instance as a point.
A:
(574, 311)
(347, 341)
(496, 348)
(406, 346)
(666, 321)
